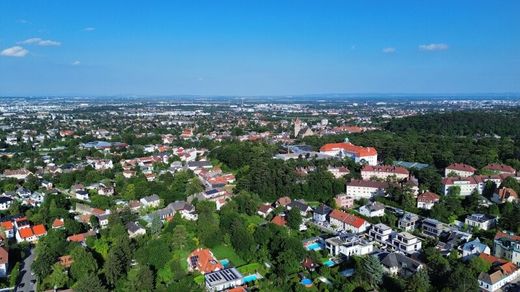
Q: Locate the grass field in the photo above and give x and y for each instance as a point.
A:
(226, 252)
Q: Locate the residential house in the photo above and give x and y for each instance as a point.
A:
(374, 209)
(459, 169)
(283, 201)
(406, 243)
(20, 174)
(348, 244)
(321, 213)
(347, 222)
(500, 168)
(384, 172)
(279, 220)
(223, 280)
(338, 172)
(466, 184)
(481, 221)
(365, 189)
(501, 273)
(202, 260)
(427, 200)
(301, 206)
(8, 228)
(186, 210)
(5, 203)
(432, 227)
(264, 210)
(4, 262)
(58, 223)
(507, 246)
(399, 264)
(81, 237)
(357, 153)
(474, 248)
(31, 234)
(408, 221)
(504, 195)
(344, 201)
(134, 229)
(152, 201)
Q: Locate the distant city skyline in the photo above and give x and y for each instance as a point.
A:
(259, 48)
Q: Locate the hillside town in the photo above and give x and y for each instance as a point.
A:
(230, 197)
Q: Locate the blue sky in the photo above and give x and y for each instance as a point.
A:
(258, 47)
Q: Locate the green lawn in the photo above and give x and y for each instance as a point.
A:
(251, 268)
(226, 252)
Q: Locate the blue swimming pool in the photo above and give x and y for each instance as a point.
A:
(306, 282)
(225, 263)
(329, 263)
(250, 278)
(314, 246)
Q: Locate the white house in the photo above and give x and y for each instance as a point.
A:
(474, 248)
(152, 201)
(365, 189)
(374, 209)
(384, 172)
(347, 222)
(481, 221)
(459, 169)
(358, 153)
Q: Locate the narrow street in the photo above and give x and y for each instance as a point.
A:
(27, 281)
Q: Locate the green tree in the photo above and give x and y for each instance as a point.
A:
(58, 277)
(370, 269)
(419, 282)
(83, 263)
(294, 218)
(13, 276)
(89, 283)
(140, 278)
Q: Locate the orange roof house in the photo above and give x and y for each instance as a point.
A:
(279, 220)
(202, 260)
(350, 148)
(39, 230)
(58, 223)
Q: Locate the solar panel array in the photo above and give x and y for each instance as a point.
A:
(222, 276)
(194, 260)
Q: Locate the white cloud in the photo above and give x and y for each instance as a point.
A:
(15, 51)
(389, 50)
(89, 29)
(40, 42)
(433, 47)
(76, 63)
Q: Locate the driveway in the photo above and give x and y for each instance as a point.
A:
(27, 281)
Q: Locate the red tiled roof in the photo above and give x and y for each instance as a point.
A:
(351, 148)
(368, 184)
(348, 129)
(461, 167)
(39, 230)
(206, 262)
(509, 236)
(505, 193)
(25, 233)
(8, 225)
(4, 255)
(284, 201)
(500, 167)
(57, 223)
(264, 208)
(491, 259)
(279, 220)
(347, 218)
(385, 168)
(428, 197)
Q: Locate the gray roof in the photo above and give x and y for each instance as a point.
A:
(132, 227)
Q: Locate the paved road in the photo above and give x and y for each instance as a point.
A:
(27, 281)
